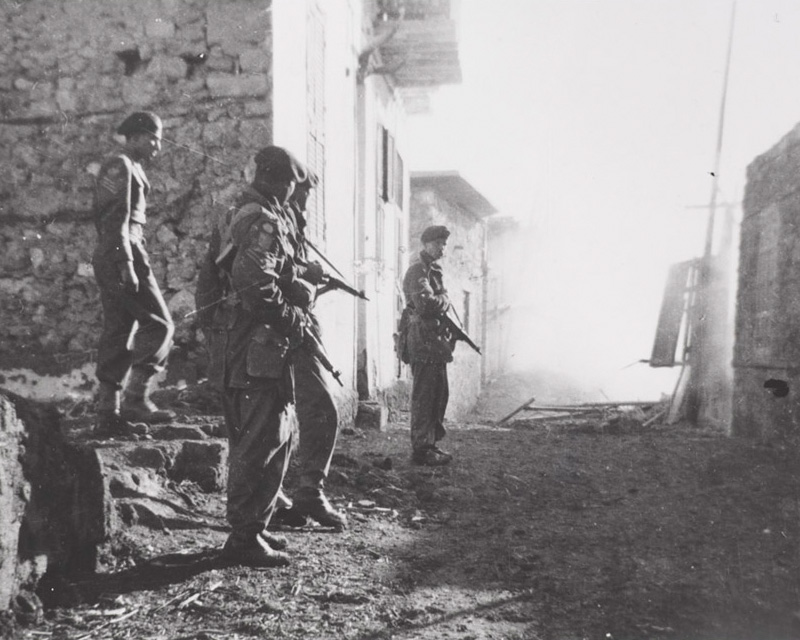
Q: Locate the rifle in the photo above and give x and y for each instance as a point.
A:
(458, 332)
(312, 343)
(314, 346)
(332, 282)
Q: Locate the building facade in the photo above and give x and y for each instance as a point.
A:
(332, 80)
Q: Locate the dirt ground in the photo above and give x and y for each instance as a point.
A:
(549, 528)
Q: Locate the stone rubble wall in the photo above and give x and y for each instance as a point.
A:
(68, 76)
(55, 512)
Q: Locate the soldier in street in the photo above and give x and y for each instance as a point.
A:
(137, 327)
(251, 327)
(428, 345)
(316, 409)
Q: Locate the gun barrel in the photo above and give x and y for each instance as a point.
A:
(318, 351)
(336, 283)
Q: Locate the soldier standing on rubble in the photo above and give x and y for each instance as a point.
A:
(428, 347)
(251, 328)
(316, 409)
(137, 327)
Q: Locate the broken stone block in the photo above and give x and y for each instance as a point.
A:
(371, 415)
(202, 462)
(14, 492)
(55, 512)
(148, 457)
(178, 432)
(158, 514)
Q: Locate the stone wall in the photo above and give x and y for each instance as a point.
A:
(55, 512)
(767, 349)
(69, 73)
(462, 265)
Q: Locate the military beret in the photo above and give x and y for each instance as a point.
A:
(312, 179)
(140, 122)
(280, 164)
(435, 232)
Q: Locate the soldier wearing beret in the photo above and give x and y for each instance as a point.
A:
(428, 347)
(251, 327)
(137, 327)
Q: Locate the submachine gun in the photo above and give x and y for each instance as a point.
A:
(456, 329)
(330, 283)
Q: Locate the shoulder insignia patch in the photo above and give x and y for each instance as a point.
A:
(114, 177)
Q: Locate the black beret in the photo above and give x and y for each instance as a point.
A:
(312, 179)
(435, 232)
(280, 164)
(140, 122)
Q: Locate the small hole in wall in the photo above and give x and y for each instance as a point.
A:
(193, 62)
(132, 59)
(778, 388)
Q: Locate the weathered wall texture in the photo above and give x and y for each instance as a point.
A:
(462, 265)
(69, 73)
(13, 489)
(54, 509)
(767, 349)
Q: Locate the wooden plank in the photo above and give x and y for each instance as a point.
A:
(523, 406)
(597, 405)
(670, 319)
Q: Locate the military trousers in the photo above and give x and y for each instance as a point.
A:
(430, 392)
(317, 417)
(260, 428)
(137, 326)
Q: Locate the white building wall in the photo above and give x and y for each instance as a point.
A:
(336, 310)
(379, 268)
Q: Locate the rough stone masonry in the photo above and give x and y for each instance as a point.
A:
(69, 73)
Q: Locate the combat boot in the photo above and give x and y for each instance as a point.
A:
(252, 550)
(284, 514)
(138, 406)
(431, 457)
(274, 540)
(312, 503)
(109, 422)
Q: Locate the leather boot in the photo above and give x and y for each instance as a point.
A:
(137, 405)
(274, 540)
(431, 456)
(109, 422)
(312, 503)
(252, 550)
(285, 515)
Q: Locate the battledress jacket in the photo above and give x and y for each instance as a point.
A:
(427, 340)
(247, 320)
(119, 212)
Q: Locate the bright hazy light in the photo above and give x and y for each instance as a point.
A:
(595, 123)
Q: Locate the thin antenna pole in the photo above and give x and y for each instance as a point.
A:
(721, 128)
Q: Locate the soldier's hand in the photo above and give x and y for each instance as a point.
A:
(314, 273)
(300, 293)
(128, 276)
